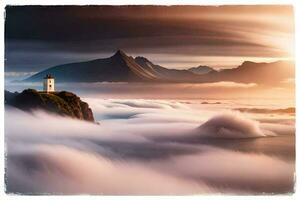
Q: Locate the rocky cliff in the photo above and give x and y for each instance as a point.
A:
(62, 103)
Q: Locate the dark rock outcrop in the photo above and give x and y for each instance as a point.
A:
(62, 103)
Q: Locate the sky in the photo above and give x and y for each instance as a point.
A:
(179, 37)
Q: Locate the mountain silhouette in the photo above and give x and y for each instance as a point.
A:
(165, 74)
(117, 68)
(123, 68)
(201, 69)
(272, 73)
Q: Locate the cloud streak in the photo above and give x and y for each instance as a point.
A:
(157, 32)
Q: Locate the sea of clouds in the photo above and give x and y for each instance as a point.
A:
(149, 147)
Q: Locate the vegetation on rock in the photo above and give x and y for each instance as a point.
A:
(63, 103)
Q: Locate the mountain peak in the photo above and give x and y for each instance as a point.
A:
(120, 53)
(202, 69)
(142, 59)
(248, 62)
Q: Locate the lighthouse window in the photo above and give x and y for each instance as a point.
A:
(49, 85)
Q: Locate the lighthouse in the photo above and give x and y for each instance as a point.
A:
(49, 83)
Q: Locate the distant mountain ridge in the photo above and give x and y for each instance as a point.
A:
(251, 72)
(165, 74)
(123, 68)
(202, 69)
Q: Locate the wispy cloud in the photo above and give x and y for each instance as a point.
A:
(232, 32)
(18, 74)
(226, 84)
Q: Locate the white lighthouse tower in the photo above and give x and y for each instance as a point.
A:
(49, 83)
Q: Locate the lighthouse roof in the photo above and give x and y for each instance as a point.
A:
(48, 76)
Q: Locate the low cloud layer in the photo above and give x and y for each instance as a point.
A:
(232, 126)
(56, 169)
(146, 143)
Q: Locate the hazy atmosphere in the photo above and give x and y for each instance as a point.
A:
(174, 37)
(149, 100)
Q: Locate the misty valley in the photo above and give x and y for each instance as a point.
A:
(152, 146)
